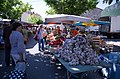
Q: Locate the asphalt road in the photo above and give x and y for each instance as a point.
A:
(40, 66)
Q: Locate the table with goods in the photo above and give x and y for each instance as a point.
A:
(78, 56)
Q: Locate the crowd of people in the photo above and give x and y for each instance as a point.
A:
(53, 36)
(15, 38)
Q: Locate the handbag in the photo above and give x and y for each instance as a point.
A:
(44, 34)
(35, 37)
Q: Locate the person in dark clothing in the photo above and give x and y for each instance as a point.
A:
(6, 33)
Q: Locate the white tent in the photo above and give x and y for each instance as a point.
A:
(62, 18)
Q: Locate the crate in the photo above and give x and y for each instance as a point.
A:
(114, 57)
(96, 40)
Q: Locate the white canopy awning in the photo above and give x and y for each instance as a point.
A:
(61, 18)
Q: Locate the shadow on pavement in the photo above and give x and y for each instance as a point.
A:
(31, 42)
(40, 66)
(4, 71)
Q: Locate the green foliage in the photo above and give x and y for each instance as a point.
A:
(51, 11)
(39, 22)
(109, 1)
(13, 9)
(73, 7)
(34, 19)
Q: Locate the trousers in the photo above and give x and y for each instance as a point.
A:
(41, 41)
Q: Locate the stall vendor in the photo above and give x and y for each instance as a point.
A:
(74, 32)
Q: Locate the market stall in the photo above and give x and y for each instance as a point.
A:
(78, 56)
(63, 19)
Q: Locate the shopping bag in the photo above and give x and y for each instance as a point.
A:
(20, 65)
(35, 37)
(19, 72)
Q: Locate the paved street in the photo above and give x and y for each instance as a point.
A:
(40, 66)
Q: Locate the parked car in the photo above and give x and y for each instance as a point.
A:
(1, 39)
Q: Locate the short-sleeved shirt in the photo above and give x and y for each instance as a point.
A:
(17, 43)
(40, 33)
(74, 32)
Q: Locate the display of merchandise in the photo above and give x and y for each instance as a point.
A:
(78, 50)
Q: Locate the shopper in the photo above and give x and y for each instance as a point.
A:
(45, 35)
(40, 38)
(17, 43)
(6, 34)
(65, 30)
(25, 34)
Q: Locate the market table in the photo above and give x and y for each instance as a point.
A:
(79, 68)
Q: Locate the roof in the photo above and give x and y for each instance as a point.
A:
(94, 14)
(113, 10)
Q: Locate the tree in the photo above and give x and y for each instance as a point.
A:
(73, 7)
(109, 1)
(51, 11)
(34, 19)
(13, 9)
(39, 22)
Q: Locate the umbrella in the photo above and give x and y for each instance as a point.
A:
(92, 23)
(78, 24)
(85, 24)
(102, 23)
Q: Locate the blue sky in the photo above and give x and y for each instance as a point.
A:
(40, 6)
